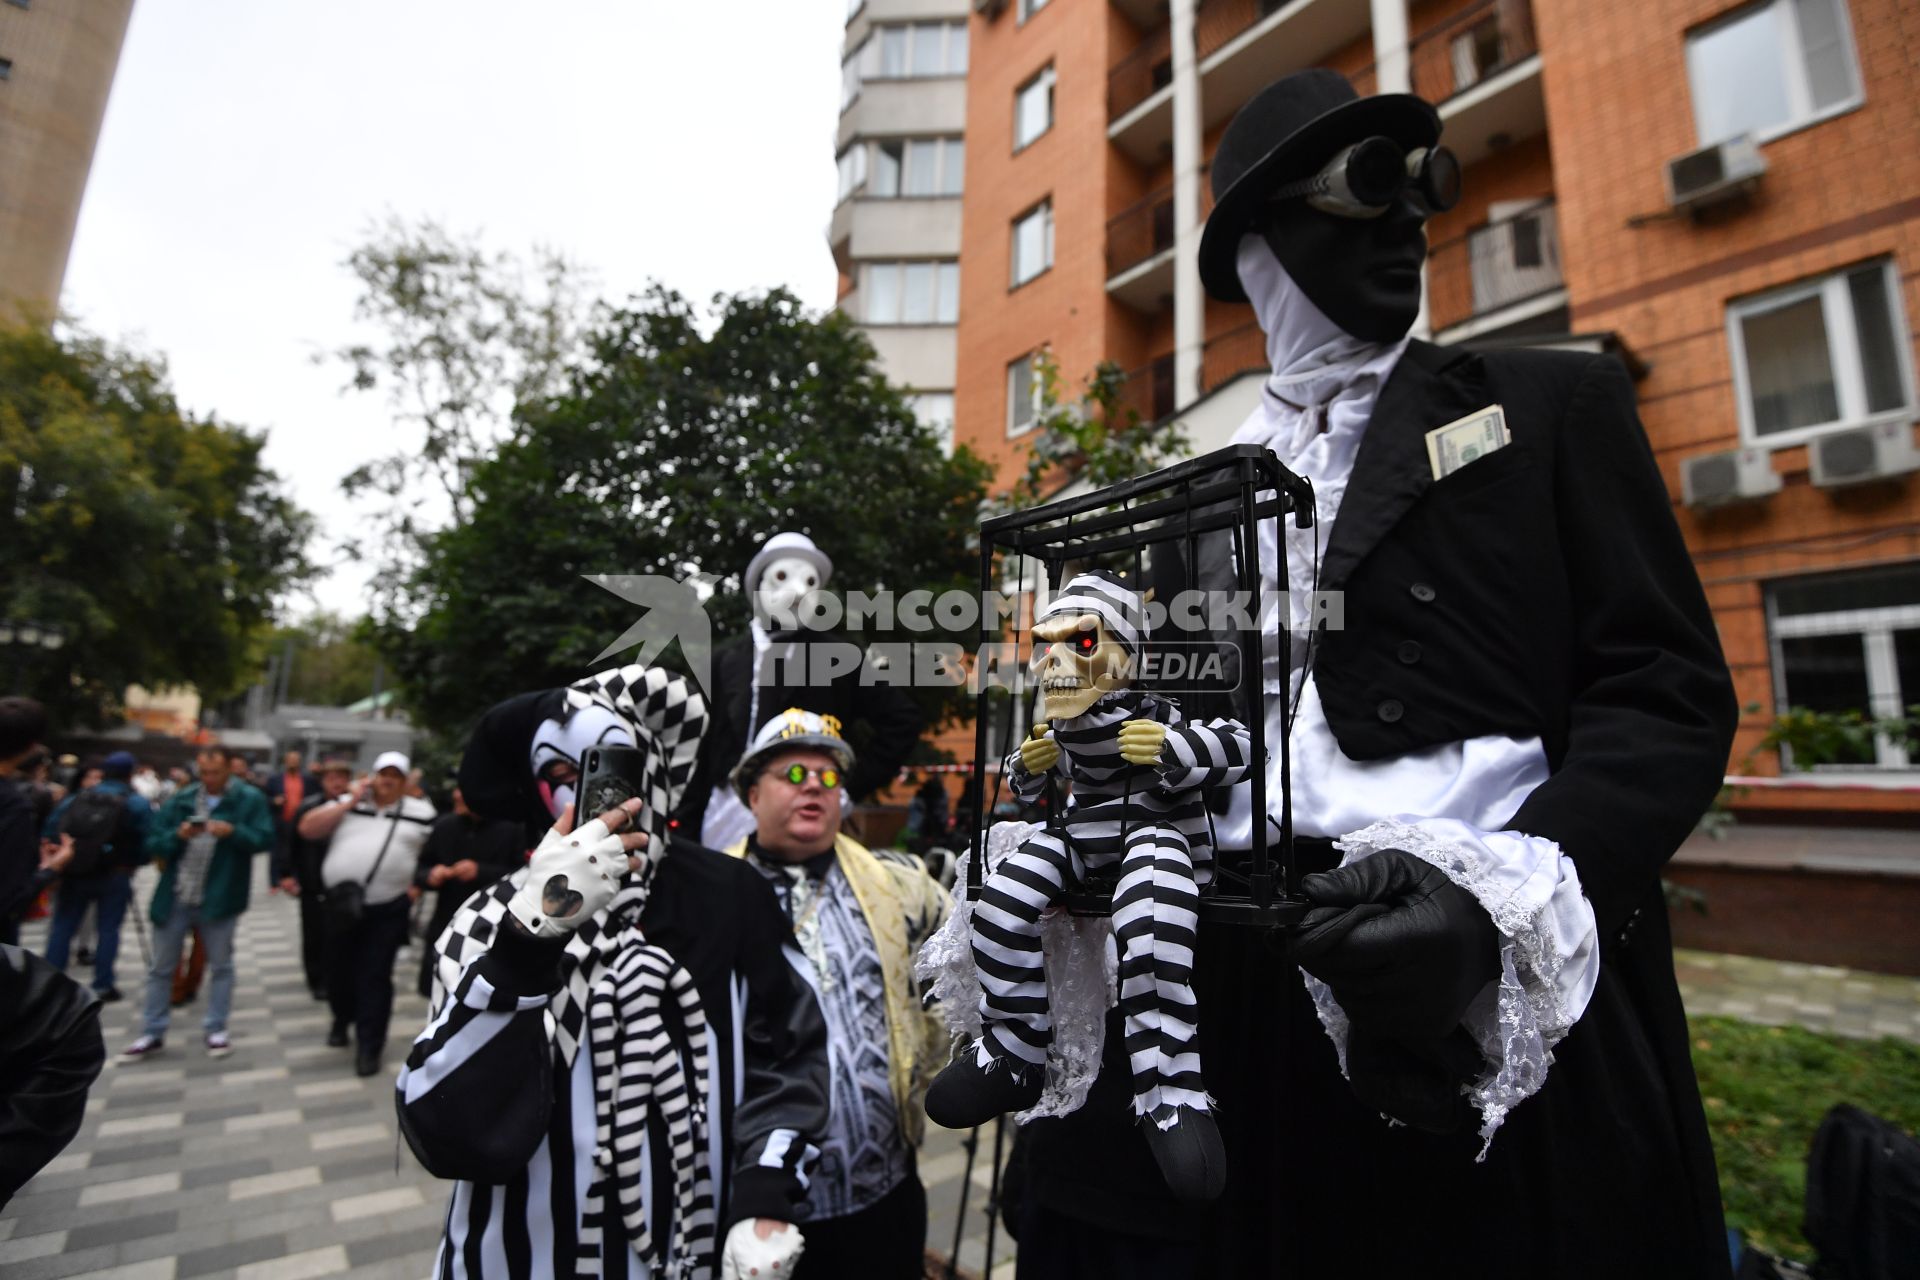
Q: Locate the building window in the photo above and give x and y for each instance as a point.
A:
(906, 167)
(1030, 7)
(905, 52)
(850, 75)
(1033, 109)
(1822, 353)
(6, 68)
(912, 293)
(934, 410)
(1772, 68)
(1849, 642)
(1023, 396)
(853, 170)
(1033, 243)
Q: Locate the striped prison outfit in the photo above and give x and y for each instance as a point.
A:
(1149, 819)
(683, 1115)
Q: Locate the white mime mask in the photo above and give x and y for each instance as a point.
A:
(559, 747)
(783, 588)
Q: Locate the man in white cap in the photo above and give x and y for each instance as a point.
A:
(781, 663)
(377, 831)
(860, 917)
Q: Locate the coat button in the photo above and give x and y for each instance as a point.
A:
(1421, 592)
(1409, 651)
(1391, 710)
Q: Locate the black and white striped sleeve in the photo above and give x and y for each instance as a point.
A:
(1027, 786)
(476, 1094)
(1195, 755)
(782, 1112)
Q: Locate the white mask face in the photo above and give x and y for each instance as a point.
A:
(784, 584)
(559, 747)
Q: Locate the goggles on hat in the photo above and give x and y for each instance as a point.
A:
(798, 774)
(1364, 180)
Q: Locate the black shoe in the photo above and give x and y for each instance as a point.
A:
(108, 995)
(367, 1061)
(337, 1036)
(1190, 1155)
(966, 1094)
(83, 956)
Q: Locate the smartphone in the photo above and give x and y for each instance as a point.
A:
(612, 776)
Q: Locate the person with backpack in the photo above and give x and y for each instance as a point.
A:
(107, 823)
(205, 839)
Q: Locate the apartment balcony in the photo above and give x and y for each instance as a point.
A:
(1141, 74)
(1147, 393)
(907, 227)
(1482, 67)
(925, 107)
(1498, 274)
(1140, 253)
(1230, 354)
(911, 355)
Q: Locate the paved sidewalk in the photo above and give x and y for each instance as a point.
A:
(1844, 1002)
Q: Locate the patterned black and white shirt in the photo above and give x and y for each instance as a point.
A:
(863, 1156)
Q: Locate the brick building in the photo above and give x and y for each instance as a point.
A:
(56, 66)
(1760, 291)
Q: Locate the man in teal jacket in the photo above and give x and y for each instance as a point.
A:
(204, 841)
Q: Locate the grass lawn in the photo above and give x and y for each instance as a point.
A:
(1765, 1090)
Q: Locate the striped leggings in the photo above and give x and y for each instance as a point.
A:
(1155, 912)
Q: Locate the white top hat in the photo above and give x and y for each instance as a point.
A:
(786, 544)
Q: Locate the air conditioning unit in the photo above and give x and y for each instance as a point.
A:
(1712, 175)
(1720, 479)
(1865, 453)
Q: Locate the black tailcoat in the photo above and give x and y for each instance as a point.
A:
(1541, 591)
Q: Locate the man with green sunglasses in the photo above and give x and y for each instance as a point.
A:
(860, 917)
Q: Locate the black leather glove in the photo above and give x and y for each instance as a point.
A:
(1417, 1082)
(1403, 948)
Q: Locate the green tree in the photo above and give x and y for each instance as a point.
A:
(682, 442)
(465, 336)
(1096, 437)
(157, 541)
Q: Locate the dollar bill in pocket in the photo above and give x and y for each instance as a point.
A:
(1467, 439)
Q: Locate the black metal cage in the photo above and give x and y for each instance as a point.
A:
(1208, 507)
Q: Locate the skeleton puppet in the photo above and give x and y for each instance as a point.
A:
(1138, 775)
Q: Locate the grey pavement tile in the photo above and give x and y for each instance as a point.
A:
(219, 1174)
(346, 1107)
(124, 1103)
(68, 1262)
(121, 1230)
(238, 1253)
(360, 1167)
(364, 1253)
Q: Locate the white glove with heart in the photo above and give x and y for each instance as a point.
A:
(747, 1255)
(569, 878)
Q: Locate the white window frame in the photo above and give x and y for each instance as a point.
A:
(1842, 350)
(952, 33)
(1014, 429)
(1042, 210)
(852, 74)
(1799, 94)
(1046, 79)
(942, 428)
(854, 158)
(899, 267)
(1875, 627)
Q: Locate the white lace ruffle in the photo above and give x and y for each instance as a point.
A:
(1082, 981)
(1549, 950)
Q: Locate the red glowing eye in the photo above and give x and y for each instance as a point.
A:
(1086, 641)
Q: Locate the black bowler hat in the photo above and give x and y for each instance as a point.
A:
(1298, 115)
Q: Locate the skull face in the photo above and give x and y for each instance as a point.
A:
(1080, 663)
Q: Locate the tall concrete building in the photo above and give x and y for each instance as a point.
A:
(57, 59)
(1720, 192)
(902, 161)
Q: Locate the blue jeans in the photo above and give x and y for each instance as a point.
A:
(168, 940)
(109, 894)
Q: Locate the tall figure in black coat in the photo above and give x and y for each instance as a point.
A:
(784, 662)
(1522, 712)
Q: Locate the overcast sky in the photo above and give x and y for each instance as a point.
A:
(248, 146)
